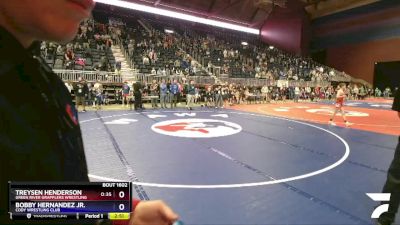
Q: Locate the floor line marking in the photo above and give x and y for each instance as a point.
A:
(259, 109)
(129, 170)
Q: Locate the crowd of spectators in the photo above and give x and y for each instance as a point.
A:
(184, 53)
(90, 50)
(172, 92)
(157, 53)
(153, 51)
(255, 61)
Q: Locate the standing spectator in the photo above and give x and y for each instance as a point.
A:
(163, 94)
(137, 88)
(355, 92)
(377, 92)
(125, 94)
(190, 94)
(296, 94)
(387, 92)
(392, 184)
(197, 95)
(174, 93)
(118, 67)
(264, 93)
(154, 94)
(131, 47)
(81, 92)
(209, 99)
(98, 91)
(218, 97)
(291, 92)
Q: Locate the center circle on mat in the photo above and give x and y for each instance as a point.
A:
(237, 185)
(196, 128)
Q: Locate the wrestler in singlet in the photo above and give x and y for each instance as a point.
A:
(340, 95)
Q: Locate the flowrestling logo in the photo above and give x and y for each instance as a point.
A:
(196, 128)
(379, 197)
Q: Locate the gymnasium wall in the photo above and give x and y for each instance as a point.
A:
(353, 40)
(288, 29)
(359, 59)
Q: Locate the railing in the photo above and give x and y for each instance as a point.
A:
(89, 76)
(295, 83)
(202, 80)
(111, 77)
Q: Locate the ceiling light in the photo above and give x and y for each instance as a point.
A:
(245, 43)
(168, 13)
(168, 31)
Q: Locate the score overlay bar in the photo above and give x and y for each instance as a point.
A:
(70, 200)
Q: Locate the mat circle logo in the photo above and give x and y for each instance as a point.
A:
(196, 128)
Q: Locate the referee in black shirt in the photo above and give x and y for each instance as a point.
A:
(40, 138)
(392, 184)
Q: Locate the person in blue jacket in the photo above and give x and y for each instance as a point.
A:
(174, 93)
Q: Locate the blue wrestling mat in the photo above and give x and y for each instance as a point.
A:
(233, 167)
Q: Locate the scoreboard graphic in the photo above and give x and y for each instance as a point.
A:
(89, 200)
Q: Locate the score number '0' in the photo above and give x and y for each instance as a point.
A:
(121, 194)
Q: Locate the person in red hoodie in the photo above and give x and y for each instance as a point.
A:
(40, 137)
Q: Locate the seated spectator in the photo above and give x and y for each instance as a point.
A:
(118, 66)
(131, 48)
(108, 43)
(69, 59)
(69, 46)
(88, 53)
(43, 49)
(60, 50)
(80, 61)
(77, 46)
(86, 44)
(146, 60)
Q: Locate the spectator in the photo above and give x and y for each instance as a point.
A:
(60, 50)
(137, 88)
(264, 92)
(125, 94)
(81, 92)
(154, 94)
(190, 94)
(218, 97)
(145, 60)
(98, 91)
(174, 93)
(163, 94)
(69, 59)
(118, 66)
(387, 92)
(296, 94)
